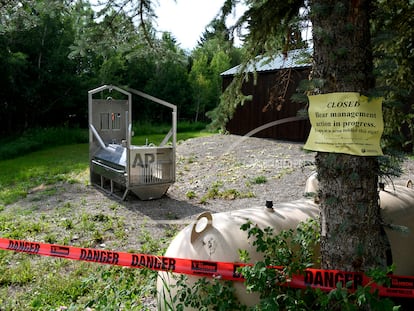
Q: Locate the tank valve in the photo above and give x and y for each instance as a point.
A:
(269, 206)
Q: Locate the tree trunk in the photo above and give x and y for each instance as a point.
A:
(352, 237)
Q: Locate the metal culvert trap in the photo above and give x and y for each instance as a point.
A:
(117, 166)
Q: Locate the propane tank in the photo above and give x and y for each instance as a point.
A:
(397, 210)
(218, 237)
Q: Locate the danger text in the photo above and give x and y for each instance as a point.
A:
(331, 278)
(99, 256)
(153, 262)
(23, 246)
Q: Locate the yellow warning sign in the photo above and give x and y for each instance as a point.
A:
(345, 123)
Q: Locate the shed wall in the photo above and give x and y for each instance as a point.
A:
(254, 114)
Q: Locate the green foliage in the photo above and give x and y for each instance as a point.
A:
(39, 79)
(215, 192)
(83, 285)
(291, 248)
(270, 24)
(147, 133)
(145, 127)
(231, 98)
(205, 295)
(390, 165)
(210, 59)
(394, 63)
(53, 52)
(118, 288)
(260, 180)
(40, 138)
(191, 194)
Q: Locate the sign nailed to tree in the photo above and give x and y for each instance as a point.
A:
(345, 123)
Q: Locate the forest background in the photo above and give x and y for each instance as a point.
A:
(53, 52)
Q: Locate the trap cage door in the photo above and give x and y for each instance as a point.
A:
(109, 137)
(110, 120)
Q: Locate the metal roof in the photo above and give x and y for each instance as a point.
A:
(294, 59)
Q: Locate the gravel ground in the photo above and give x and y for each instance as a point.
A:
(241, 171)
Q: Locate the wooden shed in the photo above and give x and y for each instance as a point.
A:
(277, 80)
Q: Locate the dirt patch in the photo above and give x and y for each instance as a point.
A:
(216, 173)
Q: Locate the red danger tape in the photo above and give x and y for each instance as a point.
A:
(400, 286)
(224, 270)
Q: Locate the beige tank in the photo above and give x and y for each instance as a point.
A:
(397, 209)
(218, 237)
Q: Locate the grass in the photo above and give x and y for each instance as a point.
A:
(20, 175)
(156, 139)
(30, 282)
(39, 139)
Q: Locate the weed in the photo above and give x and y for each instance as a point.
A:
(50, 238)
(87, 222)
(227, 194)
(97, 236)
(67, 205)
(191, 159)
(283, 172)
(119, 229)
(171, 231)
(100, 217)
(214, 191)
(191, 194)
(149, 245)
(259, 179)
(67, 224)
(205, 295)
(203, 200)
(230, 194)
(114, 207)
